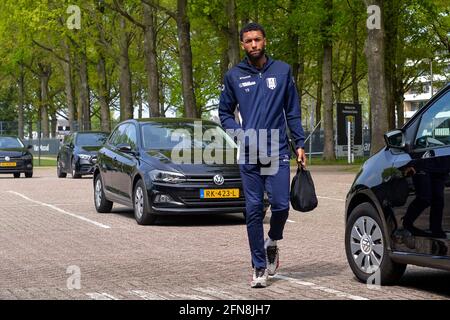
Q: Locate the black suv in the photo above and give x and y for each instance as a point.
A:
(398, 208)
(136, 167)
(15, 157)
(78, 153)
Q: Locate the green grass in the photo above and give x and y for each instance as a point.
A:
(45, 162)
(341, 161)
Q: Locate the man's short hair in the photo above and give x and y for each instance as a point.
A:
(252, 26)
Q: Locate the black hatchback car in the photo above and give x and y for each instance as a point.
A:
(15, 158)
(136, 167)
(398, 208)
(78, 153)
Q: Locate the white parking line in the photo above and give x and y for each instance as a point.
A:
(313, 286)
(101, 296)
(329, 198)
(219, 294)
(146, 295)
(61, 210)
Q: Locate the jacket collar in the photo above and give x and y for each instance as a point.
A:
(246, 65)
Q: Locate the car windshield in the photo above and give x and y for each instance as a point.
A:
(91, 139)
(166, 136)
(10, 142)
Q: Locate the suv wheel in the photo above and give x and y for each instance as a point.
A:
(16, 175)
(142, 211)
(59, 171)
(102, 204)
(365, 246)
(29, 174)
(73, 167)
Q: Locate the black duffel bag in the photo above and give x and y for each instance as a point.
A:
(303, 194)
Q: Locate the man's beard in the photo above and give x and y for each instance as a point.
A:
(255, 58)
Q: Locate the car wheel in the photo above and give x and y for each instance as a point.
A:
(29, 174)
(73, 167)
(366, 248)
(142, 211)
(16, 175)
(59, 171)
(102, 204)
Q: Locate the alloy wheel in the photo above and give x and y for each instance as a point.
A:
(139, 203)
(74, 172)
(98, 192)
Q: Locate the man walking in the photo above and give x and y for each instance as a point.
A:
(265, 93)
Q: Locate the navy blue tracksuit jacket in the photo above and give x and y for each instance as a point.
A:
(267, 98)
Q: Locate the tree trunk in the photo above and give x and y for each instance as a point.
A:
(84, 94)
(184, 44)
(45, 72)
(399, 100)
(293, 43)
(374, 50)
(355, 49)
(162, 100)
(80, 117)
(103, 95)
(390, 24)
(224, 61)
(328, 150)
(67, 69)
(53, 124)
(151, 62)
(299, 76)
(21, 102)
(126, 98)
(30, 128)
(233, 35)
(140, 107)
(319, 92)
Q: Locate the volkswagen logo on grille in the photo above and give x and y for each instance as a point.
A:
(218, 179)
(7, 158)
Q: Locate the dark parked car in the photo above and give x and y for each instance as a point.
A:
(15, 158)
(78, 153)
(398, 208)
(135, 167)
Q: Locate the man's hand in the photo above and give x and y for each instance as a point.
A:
(301, 157)
(410, 171)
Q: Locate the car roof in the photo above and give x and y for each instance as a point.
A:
(173, 120)
(83, 132)
(8, 136)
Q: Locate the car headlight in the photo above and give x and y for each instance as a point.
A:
(27, 157)
(84, 156)
(167, 176)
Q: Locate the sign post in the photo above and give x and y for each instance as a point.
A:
(349, 131)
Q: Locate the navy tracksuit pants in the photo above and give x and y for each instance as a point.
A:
(277, 188)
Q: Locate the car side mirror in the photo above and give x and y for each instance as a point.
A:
(125, 148)
(395, 139)
(30, 146)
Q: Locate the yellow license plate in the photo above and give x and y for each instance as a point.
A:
(219, 193)
(7, 164)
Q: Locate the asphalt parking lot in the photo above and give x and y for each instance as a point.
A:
(53, 245)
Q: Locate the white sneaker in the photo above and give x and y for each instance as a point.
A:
(273, 259)
(259, 278)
